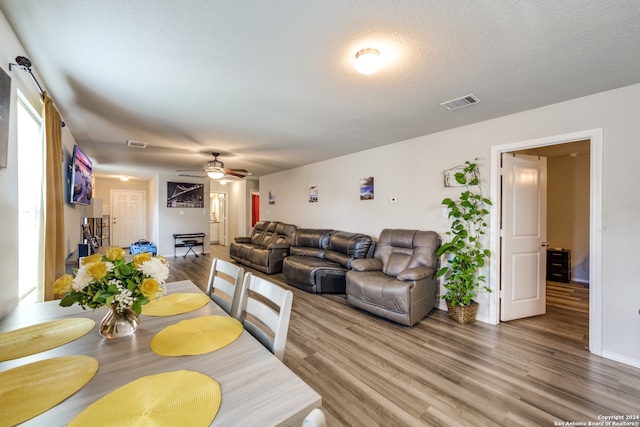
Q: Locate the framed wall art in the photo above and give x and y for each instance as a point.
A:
(185, 195)
(366, 188)
(313, 194)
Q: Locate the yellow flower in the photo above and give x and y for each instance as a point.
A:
(97, 270)
(91, 259)
(63, 284)
(139, 259)
(115, 254)
(149, 287)
(163, 259)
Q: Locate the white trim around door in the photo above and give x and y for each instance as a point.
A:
(595, 226)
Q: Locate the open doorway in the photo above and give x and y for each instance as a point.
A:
(593, 260)
(218, 219)
(566, 292)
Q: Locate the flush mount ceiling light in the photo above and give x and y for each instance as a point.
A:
(367, 60)
(124, 178)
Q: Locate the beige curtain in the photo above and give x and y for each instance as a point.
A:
(54, 240)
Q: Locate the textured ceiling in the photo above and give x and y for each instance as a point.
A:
(271, 85)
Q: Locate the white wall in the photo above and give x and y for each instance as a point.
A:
(9, 49)
(180, 220)
(412, 171)
(568, 210)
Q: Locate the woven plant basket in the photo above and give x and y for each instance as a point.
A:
(463, 313)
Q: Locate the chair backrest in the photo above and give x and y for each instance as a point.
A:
(401, 249)
(225, 289)
(257, 301)
(315, 418)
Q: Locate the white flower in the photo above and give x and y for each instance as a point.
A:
(82, 280)
(155, 269)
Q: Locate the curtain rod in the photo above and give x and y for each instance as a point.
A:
(24, 64)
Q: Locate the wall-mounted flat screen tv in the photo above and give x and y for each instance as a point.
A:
(81, 180)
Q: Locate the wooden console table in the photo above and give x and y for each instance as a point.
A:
(189, 241)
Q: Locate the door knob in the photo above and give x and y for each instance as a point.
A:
(545, 244)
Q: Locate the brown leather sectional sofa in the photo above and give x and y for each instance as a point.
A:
(319, 259)
(266, 248)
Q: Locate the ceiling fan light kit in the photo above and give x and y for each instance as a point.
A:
(216, 174)
(215, 170)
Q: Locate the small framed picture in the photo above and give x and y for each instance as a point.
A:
(313, 194)
(366, 188)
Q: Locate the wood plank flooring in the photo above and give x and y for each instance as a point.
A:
(371, 372)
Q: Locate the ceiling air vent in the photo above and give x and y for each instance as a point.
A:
(136, 144)
(461, 102)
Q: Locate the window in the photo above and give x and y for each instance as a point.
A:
(30, 219)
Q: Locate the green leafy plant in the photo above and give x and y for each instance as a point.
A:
(465, 246)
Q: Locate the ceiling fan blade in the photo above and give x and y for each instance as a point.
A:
(236, 172)
(188, 170)
(190, 175)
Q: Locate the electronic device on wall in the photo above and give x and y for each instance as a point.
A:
(215, 170)
(81, 178)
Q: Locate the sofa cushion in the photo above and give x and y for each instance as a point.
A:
(308, 272)
(355, 245)
(311, 238)
(257, 235)
(307, 251)
(342, 259)
(378, 289)
(399, 250)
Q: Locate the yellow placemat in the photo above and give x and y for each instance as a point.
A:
(29, 390)
(175, 304)
(196, 336)
(179, 398)
(43, 336)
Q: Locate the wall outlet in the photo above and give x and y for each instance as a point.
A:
(393, 200)
(182, 212)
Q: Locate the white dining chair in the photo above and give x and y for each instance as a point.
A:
(224, 289)
(260, 317)
(315, 418)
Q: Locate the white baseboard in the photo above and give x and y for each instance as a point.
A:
(622, 359)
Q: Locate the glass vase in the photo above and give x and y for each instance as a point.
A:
(118, 324)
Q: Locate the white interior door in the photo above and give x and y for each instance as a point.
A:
(222, 197)
(127, 217)
(524, 233)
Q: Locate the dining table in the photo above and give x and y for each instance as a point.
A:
(257, 389)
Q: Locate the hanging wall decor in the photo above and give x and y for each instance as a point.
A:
(366, 188)
(313, 194)
(185, 195)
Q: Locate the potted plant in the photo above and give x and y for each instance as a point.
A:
(465, 248)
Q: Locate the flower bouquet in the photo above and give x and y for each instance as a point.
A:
(109, 280)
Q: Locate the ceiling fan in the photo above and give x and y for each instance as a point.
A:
(215, 170)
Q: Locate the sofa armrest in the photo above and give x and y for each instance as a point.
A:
(279, 246)
(242, 239)
(366, 264)
(414, 274)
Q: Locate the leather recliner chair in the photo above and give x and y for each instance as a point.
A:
(399, 283)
